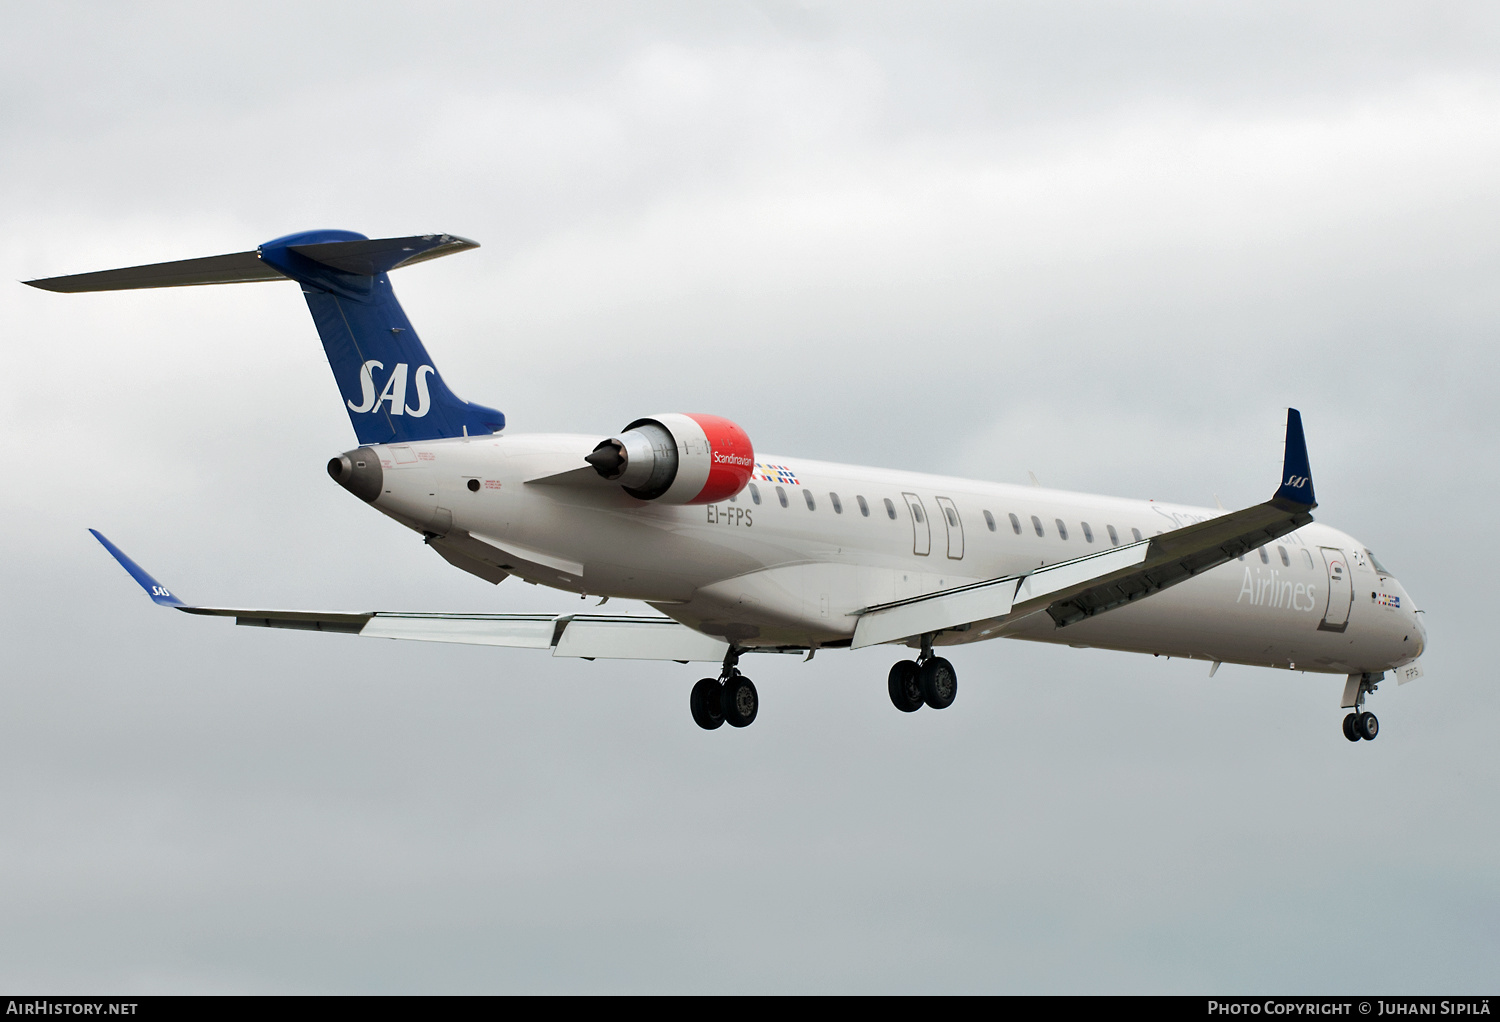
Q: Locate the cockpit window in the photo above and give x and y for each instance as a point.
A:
(1376, 561)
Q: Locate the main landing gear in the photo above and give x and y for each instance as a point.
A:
(1361, 724)
(731, 697)
(928, 680)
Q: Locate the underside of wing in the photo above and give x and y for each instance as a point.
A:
(588, 636)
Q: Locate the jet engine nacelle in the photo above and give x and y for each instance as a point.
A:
(677, 459)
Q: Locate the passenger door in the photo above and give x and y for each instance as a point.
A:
(1340, 590)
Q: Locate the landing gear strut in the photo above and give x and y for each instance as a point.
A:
(928, 679)
(1361, 724)
(731, 697)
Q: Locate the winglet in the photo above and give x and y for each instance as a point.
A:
(1296, 472)
(158, 592)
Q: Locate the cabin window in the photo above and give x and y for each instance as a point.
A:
(864, 508)
(1088, 533)
(781, 496)
(838, 507)
(807, 496)
(890, 509)
(1306, 556)
(989, 520)
(1114, 537)
(1137, 534)
(952, 516)
(1015, 525)
(1265, 558)
(755, 493)
(1036, 523)
(916, 512)
(1286, 562)
(1062, 530)
(734, 499)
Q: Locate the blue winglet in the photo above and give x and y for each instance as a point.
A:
(154, 589)
(1296, 473)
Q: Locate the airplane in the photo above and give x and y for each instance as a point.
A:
(745, 552)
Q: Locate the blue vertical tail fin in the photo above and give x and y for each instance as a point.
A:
(388, 382)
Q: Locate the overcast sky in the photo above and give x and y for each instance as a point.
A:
(1108, 243)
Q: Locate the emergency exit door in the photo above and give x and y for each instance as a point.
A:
(921, 529)
(955, 526)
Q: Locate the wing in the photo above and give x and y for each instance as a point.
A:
(1073, 590)
(590, 636)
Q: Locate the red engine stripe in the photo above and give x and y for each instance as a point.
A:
(732, 459)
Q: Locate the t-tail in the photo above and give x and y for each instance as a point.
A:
(388, 382)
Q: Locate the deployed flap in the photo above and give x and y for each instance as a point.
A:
(349, 623)
(1092, 584)
(636, 638)
(527, 631)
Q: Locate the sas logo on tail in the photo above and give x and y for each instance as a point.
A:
(394, 391)
(1296, 482)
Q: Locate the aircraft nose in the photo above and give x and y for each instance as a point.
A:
(358, 471)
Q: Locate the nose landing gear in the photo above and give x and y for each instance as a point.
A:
(1361, 724)
(928, 679)
(730, 698)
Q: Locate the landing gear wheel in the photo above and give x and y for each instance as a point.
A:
(707, 704)
(939, 683)
(905, 686)
(1349, 731)
(741, 703)
(1366, 726)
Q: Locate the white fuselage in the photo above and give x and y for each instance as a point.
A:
(758, 572)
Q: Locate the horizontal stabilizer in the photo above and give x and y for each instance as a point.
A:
(236, 268)
(365, 257)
